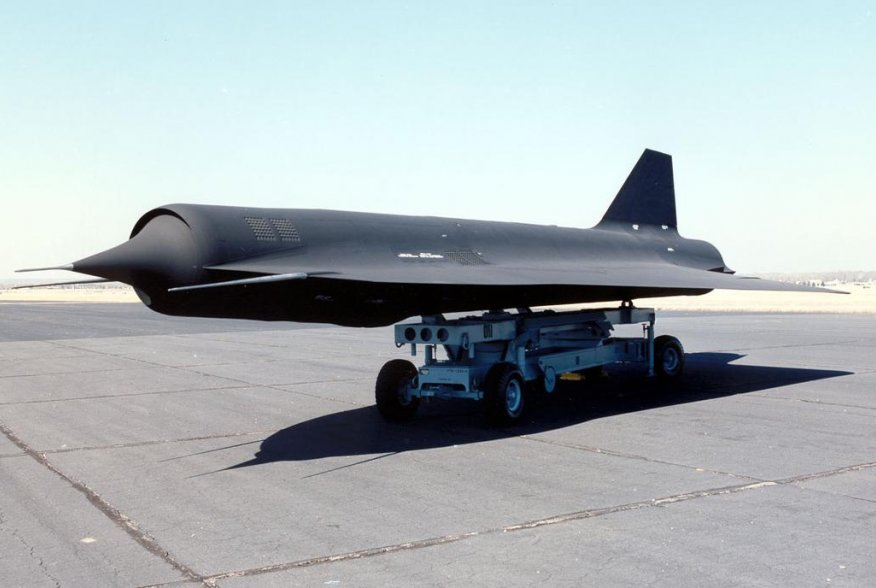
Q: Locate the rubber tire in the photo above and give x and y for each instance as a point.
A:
(668, 357)
(389, 391)
(504, 394)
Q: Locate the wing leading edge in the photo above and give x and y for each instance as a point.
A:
(629, 276)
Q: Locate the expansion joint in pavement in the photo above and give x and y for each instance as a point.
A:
(533, 524)
(623, 455)
(445, 539)
(116, 516)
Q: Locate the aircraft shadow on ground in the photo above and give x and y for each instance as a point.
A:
(362, 432)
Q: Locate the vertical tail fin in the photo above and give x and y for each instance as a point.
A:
(647, 196)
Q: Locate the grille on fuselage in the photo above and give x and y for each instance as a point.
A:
(464, 257)
(286, 230)
(273, 229)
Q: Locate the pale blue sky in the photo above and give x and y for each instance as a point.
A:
(521, 111)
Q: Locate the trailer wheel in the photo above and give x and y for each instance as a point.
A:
(668, 357)
(504, 394)
(393, 390)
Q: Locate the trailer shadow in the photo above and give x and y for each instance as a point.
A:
(362, 432)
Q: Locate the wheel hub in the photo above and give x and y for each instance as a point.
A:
(513, 397)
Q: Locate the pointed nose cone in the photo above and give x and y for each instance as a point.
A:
(162, 254)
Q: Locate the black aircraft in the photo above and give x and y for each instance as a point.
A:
(367, 270)
(370, 270)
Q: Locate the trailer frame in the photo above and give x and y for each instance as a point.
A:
(500, 356)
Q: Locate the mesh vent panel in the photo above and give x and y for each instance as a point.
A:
(261, 228)
(465, 257)
(286, 230)
(264, 229)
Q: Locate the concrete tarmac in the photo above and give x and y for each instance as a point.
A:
(139, 450)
